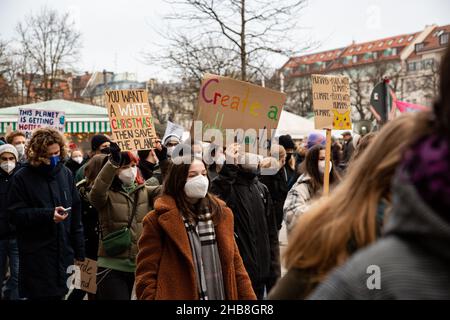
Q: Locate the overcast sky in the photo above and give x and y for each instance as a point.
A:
(116, 32)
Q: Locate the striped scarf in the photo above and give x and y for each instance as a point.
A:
(208, 270)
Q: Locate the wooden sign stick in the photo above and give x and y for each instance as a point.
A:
(326, 175)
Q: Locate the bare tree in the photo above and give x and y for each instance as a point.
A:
(233, 37)
(6, 91)
(299, 96)
(360, 96)
(51, 42)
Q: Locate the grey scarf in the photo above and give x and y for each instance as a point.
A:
(208, 270)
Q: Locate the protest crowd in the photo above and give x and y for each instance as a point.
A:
(190, 220)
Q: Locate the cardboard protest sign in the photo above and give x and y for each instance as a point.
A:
(31, 119)
(173, 129)
(131, 119)
(225, 103)
(331, 101)
(86, 275)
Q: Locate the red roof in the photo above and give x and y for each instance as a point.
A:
(332, 59)
(432, 42)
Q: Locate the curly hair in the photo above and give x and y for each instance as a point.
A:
(41, 139)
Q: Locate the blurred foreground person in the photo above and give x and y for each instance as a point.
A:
(412, 260)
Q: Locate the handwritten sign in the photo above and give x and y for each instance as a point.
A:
(225, 103)
(31, 119)
(131, 119)
(173, 129)
(331, 101)
(86, 275)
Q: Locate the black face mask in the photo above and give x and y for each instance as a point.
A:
(106, 150)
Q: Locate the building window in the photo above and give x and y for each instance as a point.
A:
(375, 55)
(401, 40)
(412, 66)
(387, 52)
(443, 39)
(368, 55)
(355, 59)
(419, 46)
(428, 64)
(394, 51)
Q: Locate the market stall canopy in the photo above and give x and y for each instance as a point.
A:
(292, 124)
(299, 127)
(80, 117)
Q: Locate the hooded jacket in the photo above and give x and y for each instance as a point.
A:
(412, 260)
(115, 208)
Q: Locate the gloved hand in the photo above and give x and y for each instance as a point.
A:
(115, 157)
(160, 151)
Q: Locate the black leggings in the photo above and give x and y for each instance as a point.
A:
(114, 285)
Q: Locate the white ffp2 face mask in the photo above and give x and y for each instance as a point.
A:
(197, 187)
(20, 149)
(127, 176)
(8, 166)
(322, 166)
(170, 151)
(78, 159)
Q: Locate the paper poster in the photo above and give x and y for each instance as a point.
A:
(131, 119)
(31, 119)
(225, 103)
(331, 101)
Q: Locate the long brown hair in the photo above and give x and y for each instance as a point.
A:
(41, 139)
(311, 167)
(321, 237)
(174, 186)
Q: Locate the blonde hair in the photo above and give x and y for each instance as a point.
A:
(41, 139)
(320, 240)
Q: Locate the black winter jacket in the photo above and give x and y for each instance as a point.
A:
(254, 224)
(46, 248)
(6, 229)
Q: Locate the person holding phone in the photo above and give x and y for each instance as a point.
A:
(44, 206)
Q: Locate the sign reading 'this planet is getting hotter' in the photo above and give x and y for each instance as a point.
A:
(226, 103)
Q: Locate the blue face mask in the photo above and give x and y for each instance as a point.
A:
(54, 160)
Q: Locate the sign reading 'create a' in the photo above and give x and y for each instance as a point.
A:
(225, 103)
(31, 119)
(131, 119)
(331, 101)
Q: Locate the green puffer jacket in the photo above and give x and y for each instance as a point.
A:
(115, 207)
